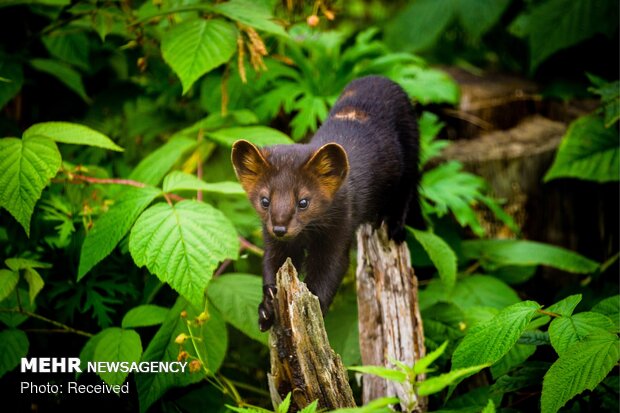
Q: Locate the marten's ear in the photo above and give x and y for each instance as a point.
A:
(249, 164)
(329, 164)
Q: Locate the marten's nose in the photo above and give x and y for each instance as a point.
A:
(279, 230)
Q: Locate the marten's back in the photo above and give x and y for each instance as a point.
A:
(374, 121)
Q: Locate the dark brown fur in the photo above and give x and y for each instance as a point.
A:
(361, 166)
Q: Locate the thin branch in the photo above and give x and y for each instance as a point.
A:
(75, 178)
(62, 326)
(247, 245)
(222, 268)
(468, 117)
(549, 313)
(199, 171)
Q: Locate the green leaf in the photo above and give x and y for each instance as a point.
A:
(284, 406)
(557, 24)
(528, 375)
(482, 290)
(342, 328)
(489, 408)
(610, 98)
(258, 135)
(381, 371)
(117, 345)
(182, 181)
(152, 169)
(440, 253)
(311, 408)
(27, 166)
(583, 366)
(195, 47)
(8, 282)
(535, 338)
(489, 342)
(438, 383)
(13, 319)
(13, 346)
(428, 85)
(611, 308)
(63, 72)
(250, 12)
(515, 357)
(478, 16)
(35, 283)
(566, 306)
(421, 366)
(443, 321)
(88, 351)
(514, 275)
(449, 188)
(112, 226)
(521, 252)
(310, 111)
(565, 331)
(144, 316)
(182, 244)
(74, 133)
(69, 46)
(10, 87)
(237, 297)
(8, 3)
(588, 151)
(17, 264)
(419, 24)
(212, 346)
(430, 147)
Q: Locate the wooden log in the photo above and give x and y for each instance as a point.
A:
(302, 361)
(513, 162)
(390, 325)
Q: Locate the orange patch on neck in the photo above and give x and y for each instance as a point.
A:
(348, 93)
(353, 114)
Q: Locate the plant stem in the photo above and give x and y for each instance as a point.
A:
(549, 313)
(62, 326)
(247, 245)
(93, 180)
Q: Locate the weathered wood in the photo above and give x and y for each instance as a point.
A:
(390, 325)
(513, 162)
(302, 361)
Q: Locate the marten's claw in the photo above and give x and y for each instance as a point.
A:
(265, 309)
(265, 317)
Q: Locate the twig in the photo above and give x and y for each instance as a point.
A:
(199, 171)
(93, 180)
(247, 245)
(62, 326)
(549, 313)
(222, 268)
(468, 117)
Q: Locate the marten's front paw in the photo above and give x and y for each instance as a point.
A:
(397, 232)
(265, 308)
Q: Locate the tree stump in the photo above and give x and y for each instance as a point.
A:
(390, 325)
(302, 361)
(513, 162)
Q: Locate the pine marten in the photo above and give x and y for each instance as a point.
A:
(360, 166)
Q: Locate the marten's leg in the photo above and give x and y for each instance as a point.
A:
(276, 253)
(326, 264)
(406, 206)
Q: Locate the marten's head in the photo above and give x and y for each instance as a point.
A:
(290, 186)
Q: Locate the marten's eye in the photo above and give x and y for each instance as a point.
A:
(264, 202)
(303, 203)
